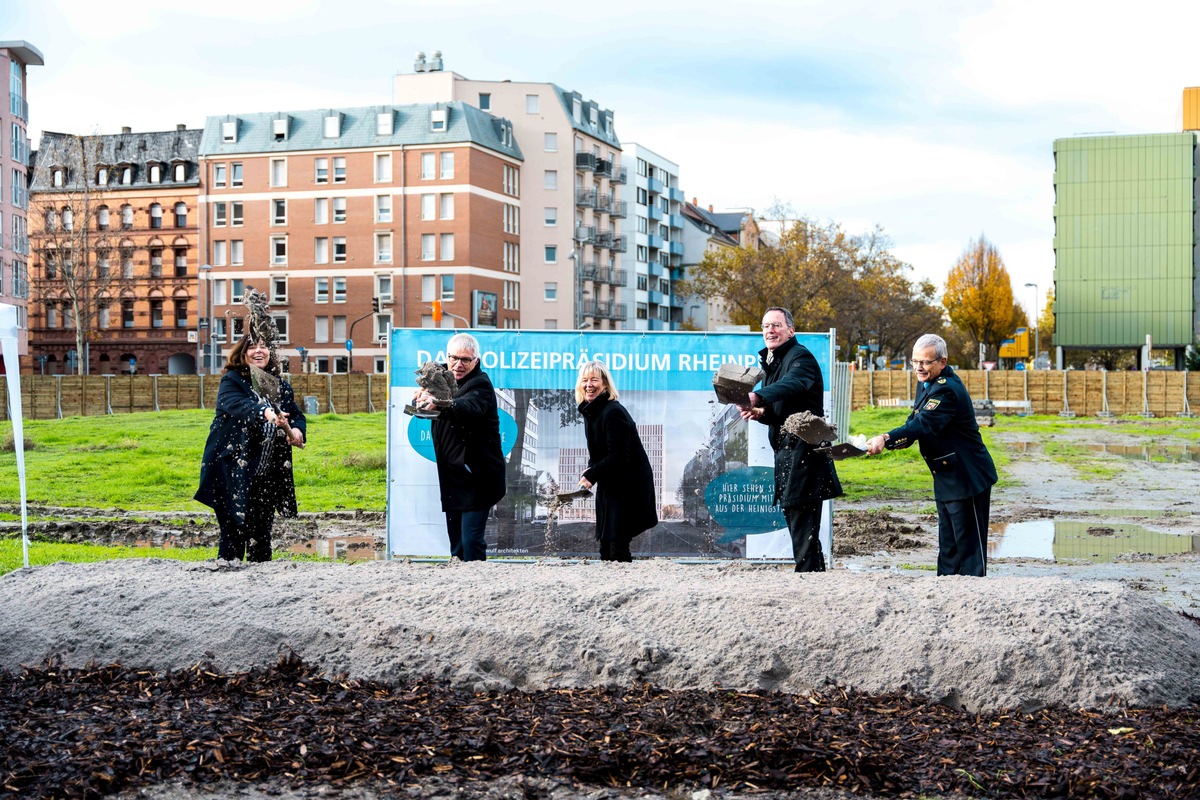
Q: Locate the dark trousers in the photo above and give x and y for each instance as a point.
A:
(249, 539)
(962, 535)
(615, 550)
(804, 524)
(466, 529)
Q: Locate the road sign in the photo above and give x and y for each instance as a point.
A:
(349, 344)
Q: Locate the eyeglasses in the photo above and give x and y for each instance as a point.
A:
(771, 326)
(460, 359)
(921, 362)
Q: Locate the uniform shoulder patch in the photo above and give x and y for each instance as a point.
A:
(941, 380)
(932, 404)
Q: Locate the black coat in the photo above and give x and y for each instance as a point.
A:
(943, 421)
(793, 384)
(466, 443)
(235, 445)
(620, 469)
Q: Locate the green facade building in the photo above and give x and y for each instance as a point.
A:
(1125, 235)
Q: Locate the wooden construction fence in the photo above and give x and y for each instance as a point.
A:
(1087, 393)
(54, 396)
(1156, 393)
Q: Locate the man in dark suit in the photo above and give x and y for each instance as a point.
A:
(943, 421)
(803, 478)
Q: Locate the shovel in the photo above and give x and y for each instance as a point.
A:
(839, 452)
(269, 387)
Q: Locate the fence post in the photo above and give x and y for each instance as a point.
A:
(155, 384)
(1187, 407)
(329, 391)
(370, 400)
(1066, 409)
(58, 395)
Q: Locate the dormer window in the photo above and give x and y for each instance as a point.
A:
(437, 120)
(384, 123)
(279, 128)
(102, 176)
(229, 131)
(180, 170)
(58, 176)
(155, 173)
(577, 109)
(592, 118)
(126, 175)
(333, 126)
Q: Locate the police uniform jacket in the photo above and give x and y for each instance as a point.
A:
(466, 445)
(793, 384)
(241, 441)
(620, 468)
(943, 422)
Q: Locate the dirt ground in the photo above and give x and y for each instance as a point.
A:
(884, 553)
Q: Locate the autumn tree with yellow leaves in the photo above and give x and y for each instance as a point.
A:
(979, 296)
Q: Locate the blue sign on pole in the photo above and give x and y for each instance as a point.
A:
(349, 344)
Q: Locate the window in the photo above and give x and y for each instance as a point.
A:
(428, 288)
(512, 257)
(384, 123)
(279, 286)
(383, 288)
(642, 197)
(447, 166)
(281, 325)
(127, 175)
(428, 247)
(551, 292)
(428, 206)
(339, 292)
(383, 248)
(643, 252)
(551, 254)
(550, 143)
(512, 218)
(126, 217)
(229, 131)
(126, 313)
(642, 282)
(235, 173)
(428, 166)
(642, 225)
(219, 293)
(339, 333)
(339, 169)
(551, 217)
(383, 208)
(181, 269)
(447, 245)
(550, 181)
(68, 218)
(321, 330)
(156, 255)
(156, 313)
(180, 215)
(437, 120)
(279, 212)
(511, 181)
(155, 216)
(180, 172)
(101, 219)
(383, 167)
(181, 313)
(641, 311)
(447, 287)
(220, 215)
(102, 263)
(321, 252)
(485, 101)
(532, 104)
(279, 250)
(321, 290)
(104, 317)
(321, 170)
(321, 210)
(101, 174)
(339, 209)
(382, 323)
(156, 174)
(218, 254)
(447, 209)
(339, 249)
(219, 176)
(333, 126)
(236, 210)
(52, 317)
(279, 172)
(236, 255)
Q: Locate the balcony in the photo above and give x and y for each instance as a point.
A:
(654, 242)
(655, 298)
(619, 175)
(675, 194)
(655, 213)
(619, 209)
(604, 239)
(654, 186)
(585, 198)
(604, 167)
(585, 234)
(655, 269)
(675, 221)
(675, 248)
(656, 324)
(620, 244)
(588, 269)
(585, 161)
(604, 203)
(597, 274)
(604, 309)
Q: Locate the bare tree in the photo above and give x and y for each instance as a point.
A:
(72, 235)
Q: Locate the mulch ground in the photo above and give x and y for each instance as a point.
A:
(95, 731)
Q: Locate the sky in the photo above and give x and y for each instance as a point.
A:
(934, 121)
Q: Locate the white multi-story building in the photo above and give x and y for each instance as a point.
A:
(571, 217)
(655, 260)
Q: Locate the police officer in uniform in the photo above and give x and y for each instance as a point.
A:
(943, 421)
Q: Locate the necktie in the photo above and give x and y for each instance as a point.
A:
(770, 356)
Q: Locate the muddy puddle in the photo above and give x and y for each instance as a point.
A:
(1147, 453)
(1074, 540)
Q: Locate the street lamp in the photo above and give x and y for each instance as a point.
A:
(1036, 345)
(578, 268)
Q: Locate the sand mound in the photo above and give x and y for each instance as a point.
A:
(983, 644)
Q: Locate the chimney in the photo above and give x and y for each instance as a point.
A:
(435, 63)
(419, 61)
(181, 126)
(126, 129)
(695, 203)
(710, 208)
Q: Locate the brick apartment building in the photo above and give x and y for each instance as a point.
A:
(355, 219)
(15, 59)
(115, 231)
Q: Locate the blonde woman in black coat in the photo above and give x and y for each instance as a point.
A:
(617, 465)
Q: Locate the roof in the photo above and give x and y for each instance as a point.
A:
(584, 125)
(729, 221)
(705, 221)
(25, 52)
(138, 149)
(306, 129)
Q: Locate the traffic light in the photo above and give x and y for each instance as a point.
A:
(437, 311)
(375, 304)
